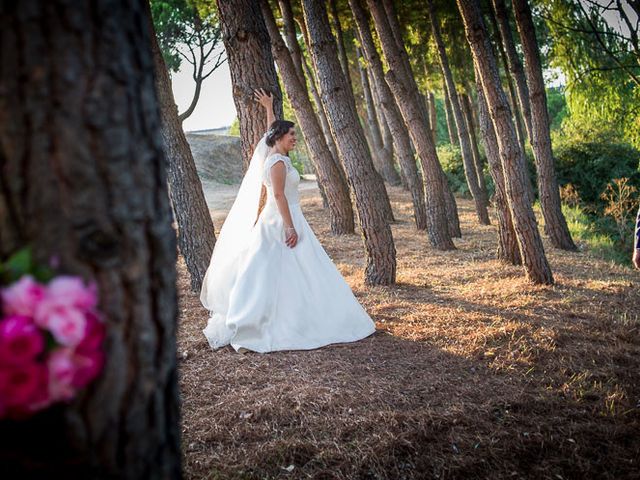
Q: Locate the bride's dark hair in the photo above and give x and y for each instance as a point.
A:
(277, 130)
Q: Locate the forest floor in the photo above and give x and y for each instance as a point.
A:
(473, 372)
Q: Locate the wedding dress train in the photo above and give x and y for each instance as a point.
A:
(280, 298)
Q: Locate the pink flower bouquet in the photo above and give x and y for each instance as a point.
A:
(51, 339)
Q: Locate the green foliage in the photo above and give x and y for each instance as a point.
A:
(21, 263)
(234, 129)
(601, 97)
(596, 233)
(450, 158)
(557, 107)
(184, 24)
(591, 164)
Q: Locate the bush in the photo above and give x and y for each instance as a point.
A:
(591, 166)
(450, 158)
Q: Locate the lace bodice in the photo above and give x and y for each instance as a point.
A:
(291, 183)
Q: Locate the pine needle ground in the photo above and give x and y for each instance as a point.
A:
(473, 372)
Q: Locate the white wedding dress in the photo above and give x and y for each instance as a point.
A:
(274, 297)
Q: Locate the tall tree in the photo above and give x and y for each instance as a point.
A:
(251, 65)
(555, 225)
(508, 250)
(403, 84)
(339, 104)
(385, 157)
(461, 125)
(451, 126)
(467, 110)
(342, 52)
(513, 60)
(83, 181)
(336, 190)
(433, 119)
(196, 236)
(299, 60)
(191, 34)
(401, 140)
(532, 253)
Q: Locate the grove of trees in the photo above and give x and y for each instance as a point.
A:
(437, 97)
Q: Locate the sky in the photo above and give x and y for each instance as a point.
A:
(215, 108)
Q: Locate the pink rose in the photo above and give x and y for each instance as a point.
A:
(19, 386)
(20, 340)
(94, 334)
(62, 368)
(88, 366)
(73, 291)
(22, 297)
(66, 324)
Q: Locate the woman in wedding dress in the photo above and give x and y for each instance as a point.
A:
(270, 285)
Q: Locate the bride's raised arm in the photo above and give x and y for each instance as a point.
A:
(266, 100)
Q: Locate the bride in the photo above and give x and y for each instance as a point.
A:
(270, 285)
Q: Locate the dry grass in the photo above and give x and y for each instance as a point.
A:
(474, 373)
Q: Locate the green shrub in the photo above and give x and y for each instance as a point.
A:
(450, 158)
(590, 166)
(597, 234)
(234, 129)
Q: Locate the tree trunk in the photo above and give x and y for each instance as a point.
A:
(513, 61)
(194, 100)
(433, 119)
(322, 115)
(555, 225)
(398, 129)
(385, 157)
(83, 181)
(463, 133)
(405, 90)
(513, 98)
(251, 65)
(507, 242)
(336, 191)
(339, 103)
(196, 236)
(387, 136)
(342, 52)
(451, 127)
(511, 155)
(477, 159)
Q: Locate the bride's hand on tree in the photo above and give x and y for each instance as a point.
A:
(266, 100)
(291, 237)
(263, 98)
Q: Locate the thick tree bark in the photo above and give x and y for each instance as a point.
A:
(508, 250)
(471, 174)
(513, 61)
(196, 236)
(555, 225)
(251, 65)
(385, 158)
(398, 129)
(335, 189)
(83, 181)
(339, 103)
(405, 90)
(511, 155)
